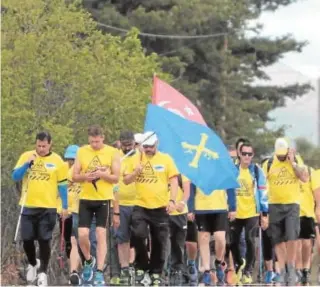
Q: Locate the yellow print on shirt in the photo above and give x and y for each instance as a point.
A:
(284, 177)
(147, 174)
(38, 171)
(244, 189)
(95, 164)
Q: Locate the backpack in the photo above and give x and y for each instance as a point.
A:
(270, 162)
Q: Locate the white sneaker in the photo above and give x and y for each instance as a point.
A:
(32, 271)
(42, 279)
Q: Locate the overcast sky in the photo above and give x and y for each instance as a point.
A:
(302, 20)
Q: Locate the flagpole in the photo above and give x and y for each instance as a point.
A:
(154, 89)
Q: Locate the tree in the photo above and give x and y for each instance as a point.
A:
(60, 73)
(309, 152)
(217, 73)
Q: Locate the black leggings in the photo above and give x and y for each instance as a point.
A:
(67, 234)
(250, 225)
(44, 253)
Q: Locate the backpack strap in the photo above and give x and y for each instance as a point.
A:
(256, 173)
(269, 164)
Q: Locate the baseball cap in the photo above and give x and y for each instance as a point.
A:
(281, 146)
(138, 138)
(149, 138)
(71, 152)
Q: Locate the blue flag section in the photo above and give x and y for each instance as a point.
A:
(198, 151)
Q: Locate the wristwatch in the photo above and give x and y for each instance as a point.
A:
(116, 213)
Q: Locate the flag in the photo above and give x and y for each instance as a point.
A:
(197, 150)
(169, 98)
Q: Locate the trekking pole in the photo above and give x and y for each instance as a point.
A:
(260, 256)
(19, 219)
(133, 150)
(60, 257)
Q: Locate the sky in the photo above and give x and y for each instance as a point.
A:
(302, 20)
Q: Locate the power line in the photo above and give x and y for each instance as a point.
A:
(178, 37)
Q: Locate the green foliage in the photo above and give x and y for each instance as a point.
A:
(309, 152)
(215, 73)
(62, 74)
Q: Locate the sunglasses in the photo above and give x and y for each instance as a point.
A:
(247, 154)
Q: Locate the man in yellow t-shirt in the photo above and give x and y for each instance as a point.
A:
(178, 232)
(97, 168)
(43, 174)
(252, 202)
(283, 174)
(127, 195)
(152, 176)
(307, 225)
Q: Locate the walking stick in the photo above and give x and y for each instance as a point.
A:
(61, 253)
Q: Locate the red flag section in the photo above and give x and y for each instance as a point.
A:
(169, 98)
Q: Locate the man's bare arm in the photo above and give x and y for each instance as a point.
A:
(112, 175)
(186, 191)
(301, 172)
(76, 175)
(174, 188)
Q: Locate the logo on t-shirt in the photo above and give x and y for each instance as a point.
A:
(38, 171)
(285, 177)
(147, 175)
(244, 189)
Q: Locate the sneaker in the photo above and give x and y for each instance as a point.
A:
(298, 275)
(125, 277)
(291, 275)
(42, 279)
(193, 274)
(99, 279)
(231, 277)
(176, 278)
(305, 278)
(156, 280)
(87, 273)
(140, 278)
(206, 279)
(276, 278)
(268, 278)
(115, 281)
(247, 278)
(239, 271)
(220, 268)
(74, 279)
(32, 272)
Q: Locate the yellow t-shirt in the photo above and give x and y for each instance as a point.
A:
(307, 202)
(217, 200)
(127, 193)
(283, 184)
(180, 197)
(74, 189)
(152, 184)
(90, 160)
(41, 180)
(246, 203)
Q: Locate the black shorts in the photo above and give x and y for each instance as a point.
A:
(284, 222)
(37, 223)
(307, 228)
(192, 232)
(212, 222)
(89, 208)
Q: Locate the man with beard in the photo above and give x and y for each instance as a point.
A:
(127, 194)
(152, 177)
(283, 174)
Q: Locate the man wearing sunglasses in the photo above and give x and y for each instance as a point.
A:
(153, 205)
(284, 173)
(252, 201)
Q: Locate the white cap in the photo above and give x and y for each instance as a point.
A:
(149, 138)
(138, 138)
(281, 146)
